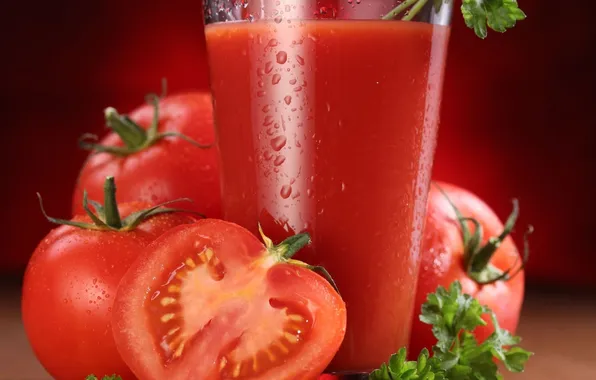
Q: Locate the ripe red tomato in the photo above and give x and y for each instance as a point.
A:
(444, 261)
(69, 289)
(169, 169)
(209, 301)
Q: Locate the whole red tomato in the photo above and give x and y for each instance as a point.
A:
(70, 285)
(153, 157)
(210, 301)
(475, 260)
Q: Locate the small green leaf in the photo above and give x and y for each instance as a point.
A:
(499, 15)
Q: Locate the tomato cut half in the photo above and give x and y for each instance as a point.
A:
(210, 301)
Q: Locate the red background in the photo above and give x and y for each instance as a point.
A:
(518, 117)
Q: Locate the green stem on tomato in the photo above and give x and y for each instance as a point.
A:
(476, 257)
(109, 203)
(134, 137)
(131, 134)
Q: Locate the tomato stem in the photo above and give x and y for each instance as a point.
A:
(482, 257)
(293, 244)
(130, 132)
(110, 205)
(476, 257)
(135, 138)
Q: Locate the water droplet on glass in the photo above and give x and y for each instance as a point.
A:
(276, 125)
(65, 300)
(266, 108)
(268, 120)
(268, 67)
(328, 107)
(260, 83)
(260, 72)
(270, 131)
(310, 193)
(273, 42)
(286, 191)
(281, 57)
(94, 281)
(293, 81)
(300, 60)
(277, 19)
(276, 78)
(261, 93)
(267, 155)
(288, 99)
(343, 187)
(278, 142)
(279, 160)
(298, 89)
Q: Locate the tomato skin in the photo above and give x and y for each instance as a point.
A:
(442, 263)
(69, 289)
(238, 250)
(170, 169)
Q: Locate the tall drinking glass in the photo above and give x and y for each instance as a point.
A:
(327, 115)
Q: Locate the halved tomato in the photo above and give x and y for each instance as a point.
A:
(210, 301)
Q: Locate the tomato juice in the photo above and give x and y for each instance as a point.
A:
(329, 127)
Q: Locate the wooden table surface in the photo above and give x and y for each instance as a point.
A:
(560, 328)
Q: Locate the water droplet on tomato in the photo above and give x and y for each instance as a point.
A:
(286, 191)
(278, 19)
(300, 60)
(268, 67)
(288, 99)
(260, 83)
(266, 108)
(281, 57)
(310, 193)
(273, 42)
(296, 195)
(276, 79)
(278, 142)
(270, 131)
(267, 155)
(261, 93)
(293, 82)
(343, 187)
(298, 89)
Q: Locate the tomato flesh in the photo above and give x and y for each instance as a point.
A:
(214, 303)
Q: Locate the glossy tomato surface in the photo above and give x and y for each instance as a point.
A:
(69, 289)
(209, 301)
(443, 263)
(171, 168)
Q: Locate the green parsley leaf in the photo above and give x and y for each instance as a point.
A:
(425, 368)
(450, 311)
(111, 377)
(499, 15)
(457, 355)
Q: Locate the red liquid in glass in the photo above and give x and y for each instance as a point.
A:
(330, 127)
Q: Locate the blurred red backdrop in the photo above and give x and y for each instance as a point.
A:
(517, 118)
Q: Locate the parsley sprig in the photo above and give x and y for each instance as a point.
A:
(111, 377)
(457, 355)
(498, 15)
